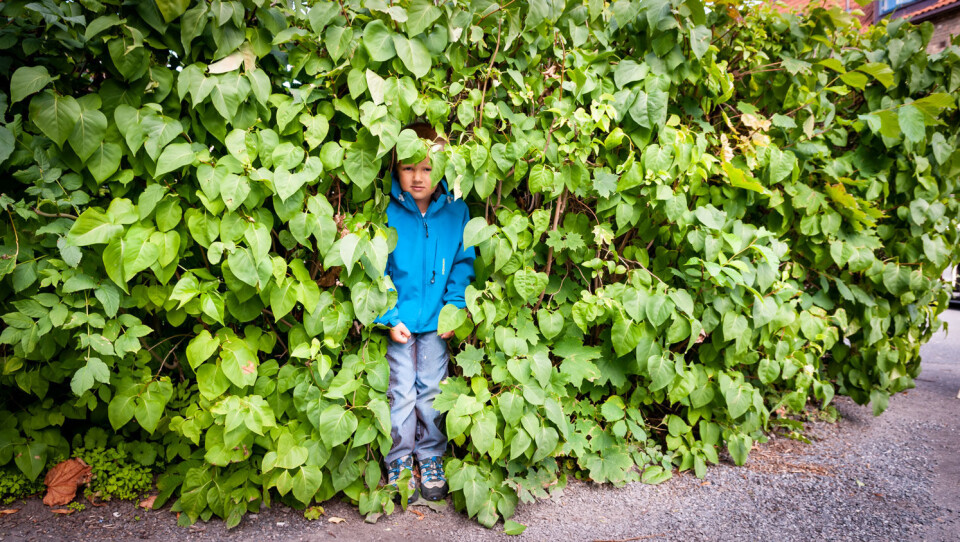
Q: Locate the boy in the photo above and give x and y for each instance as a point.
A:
(430, 268)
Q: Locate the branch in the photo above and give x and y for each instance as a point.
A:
(556, 220)
(282, 321)
(58, 215)
(486, 80)
(499, 8)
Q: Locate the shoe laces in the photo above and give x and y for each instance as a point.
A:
(398, 465)
(431, 469)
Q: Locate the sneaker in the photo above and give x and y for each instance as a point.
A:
(396, 468)
(433, 483)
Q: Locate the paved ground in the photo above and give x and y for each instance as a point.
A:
(896, 477)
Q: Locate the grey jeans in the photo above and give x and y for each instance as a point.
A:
(416, 369)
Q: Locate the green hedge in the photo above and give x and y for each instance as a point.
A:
(690, 221)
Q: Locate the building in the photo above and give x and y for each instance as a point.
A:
(943, 14)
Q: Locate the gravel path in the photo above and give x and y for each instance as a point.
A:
(896, 477)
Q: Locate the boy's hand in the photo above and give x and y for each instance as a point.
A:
(399, 333)
(446, 335)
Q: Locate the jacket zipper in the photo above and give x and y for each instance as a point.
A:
(423, 289)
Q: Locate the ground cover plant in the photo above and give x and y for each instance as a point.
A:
(691, 220)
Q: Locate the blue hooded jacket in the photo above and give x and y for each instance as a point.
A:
(430, 266)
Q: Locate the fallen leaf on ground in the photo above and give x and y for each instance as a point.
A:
(9, 511)
(314, 513)
(148, 502)
(336, 520)
(436, 506)
(64, 511)
(419, 514)
(62, 481)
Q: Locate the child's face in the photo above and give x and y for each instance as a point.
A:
(415, 179)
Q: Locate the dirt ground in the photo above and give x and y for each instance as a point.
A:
(896, 477)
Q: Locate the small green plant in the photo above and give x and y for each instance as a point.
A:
(828, 414)
(115, 475)
(77, 506)
(14, 485)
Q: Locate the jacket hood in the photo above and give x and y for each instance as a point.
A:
(404, 198)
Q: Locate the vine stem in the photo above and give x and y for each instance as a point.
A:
(499, 8)
(282, 321)
(163, 362)
(156, 356)
(277, 333)
(16, 238)
(51, 215)
(810, 101)
(486, 80)
(556, 219)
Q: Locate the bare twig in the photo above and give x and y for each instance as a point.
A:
(556, 219)
(279, 338)
(16, 239)
(282, 321)
(499, 8)
(156, 356)
(50, 215)
(486, 80)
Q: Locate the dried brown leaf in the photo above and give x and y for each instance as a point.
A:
(336, 520)
(62, 482)
(9, 511)
(148, 502)
(227, 64)
(63, 511)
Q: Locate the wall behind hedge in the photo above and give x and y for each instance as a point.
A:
(691, 220)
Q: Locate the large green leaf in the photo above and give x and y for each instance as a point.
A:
(174, 157)
(306, 482)
(92, 228)
(171, 9)
(421, 14)
(95, 370)
(477, 231)
(336, 425)
(379, 41)
(413, 54)
(152, 403)
(130, 59)
(337, 40)
(140, 252)
(238, 362)
(88, 133)
(55, 115)
(361, 164)
(105, 160)
(911, 123)
(201, 348)
(27, 80)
